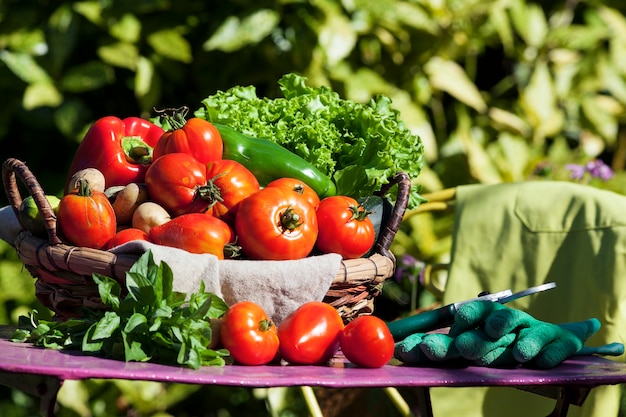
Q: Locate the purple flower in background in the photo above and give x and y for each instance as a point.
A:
(408, 267)
(577, 172)
(596, 169)
(599, 169)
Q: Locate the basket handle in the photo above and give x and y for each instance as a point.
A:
(388, 233)
(12, 168)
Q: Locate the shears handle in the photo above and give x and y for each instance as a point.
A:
(423, 322)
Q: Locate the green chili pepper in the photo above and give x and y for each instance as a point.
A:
(269, 161)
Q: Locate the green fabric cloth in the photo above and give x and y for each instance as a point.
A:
(518, 235)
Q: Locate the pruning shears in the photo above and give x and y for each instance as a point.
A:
(444, 316)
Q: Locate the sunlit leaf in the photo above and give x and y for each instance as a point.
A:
(144, 76)
(41, 94)
(87, 77)
(127, 29)
(600, 118)
(120, 54)
(170, 44)
(91, 10)
(24, 67)
(235, 33)
(450, 77)
(336, 38)
(530, 22)
(540, 105)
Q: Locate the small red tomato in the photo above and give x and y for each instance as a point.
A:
(276, 224)
(344, 227)
(86, 217)
(197, 137)
(229, 183)
(127, 235)
(297, 186)
(195, 233)
(248, 334)
(311, 334)
(366, 341)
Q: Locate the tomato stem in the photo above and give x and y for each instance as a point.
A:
(84, 190)
(265, 325)
(359, 213)
(290, 219)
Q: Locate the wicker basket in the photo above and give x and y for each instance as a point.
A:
(63, 272)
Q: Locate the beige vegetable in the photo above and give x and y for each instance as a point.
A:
(127, 200)
(148, 215)
(93, 176)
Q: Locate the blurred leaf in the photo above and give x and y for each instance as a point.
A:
(505, 120)
(611, 79)
(615, 20)
(32, 42)
(61, 35)
(602, 120)
(120, 54)
(41, 94)
(24, 66)
(169, 43)
(530, 22)
(127, 29)
(90, 10)
(499, 19)
(144, 77)
(87, 77)
(336, 36)
(450, 77)
(539, 102)
(511, 154)
(235, 33)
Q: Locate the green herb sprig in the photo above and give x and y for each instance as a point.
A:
(151, 322)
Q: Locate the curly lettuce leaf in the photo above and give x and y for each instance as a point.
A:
(360, 146)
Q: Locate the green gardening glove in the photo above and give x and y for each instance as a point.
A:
(427, 349)
(492, 334)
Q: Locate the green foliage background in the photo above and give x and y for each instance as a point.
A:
(494, 87)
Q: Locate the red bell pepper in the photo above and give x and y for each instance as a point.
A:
(120, 148)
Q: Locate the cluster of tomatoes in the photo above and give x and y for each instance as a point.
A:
(311, 335)
(187, 196)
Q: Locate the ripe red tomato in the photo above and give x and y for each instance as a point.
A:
(197, 137)
(366, 341)
(297, 186)
(86, 217)
(176, 182)
(126, 235)
(195, 233)
(311, 334)
(344, 227)
(276, 224)
(229, 183)
(249, 335)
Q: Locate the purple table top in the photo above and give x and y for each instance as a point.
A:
(22, 358)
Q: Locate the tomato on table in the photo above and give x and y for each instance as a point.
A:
(311, 334)
(367, 342)
(276, 224)
(344, 227)
(249, 335)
